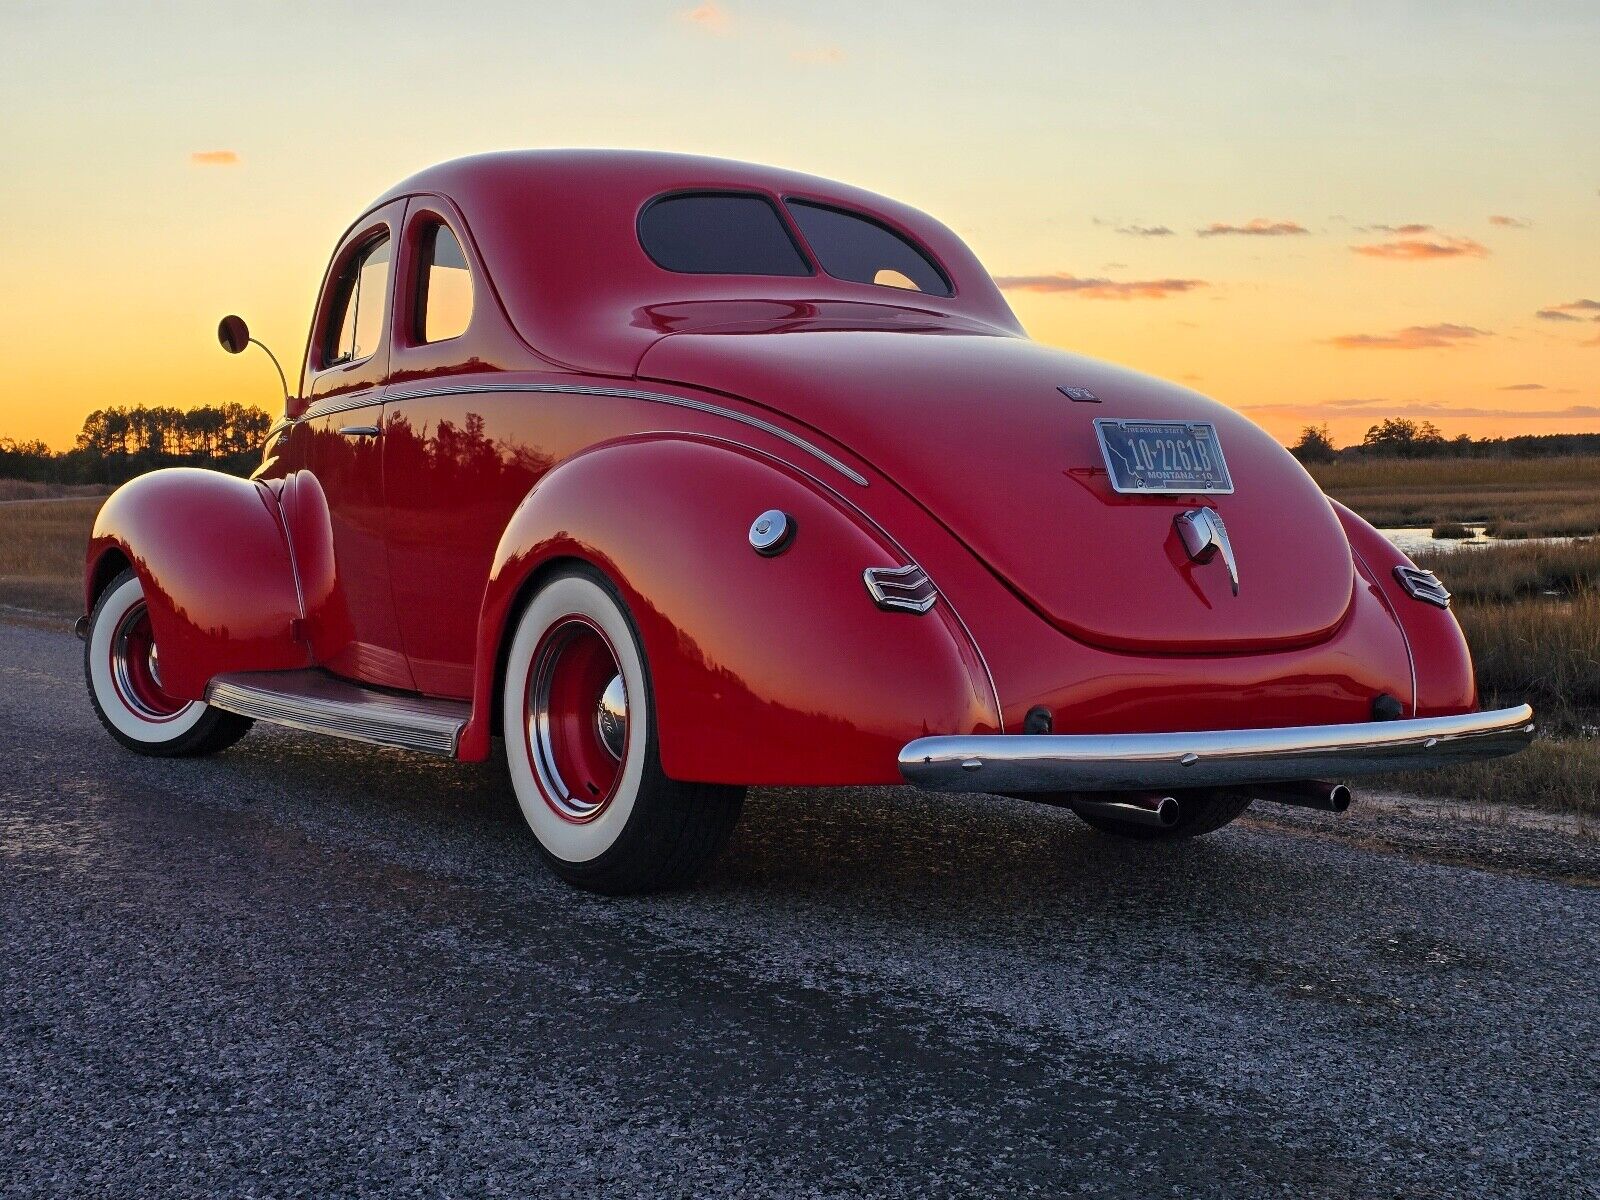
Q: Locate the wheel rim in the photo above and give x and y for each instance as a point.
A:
(135, 668)
(576, 719)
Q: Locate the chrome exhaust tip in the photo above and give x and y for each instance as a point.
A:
(1306, 793)
(1144, 808)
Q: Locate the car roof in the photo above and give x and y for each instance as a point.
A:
(557, 232)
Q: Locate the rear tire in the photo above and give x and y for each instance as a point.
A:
(1199, 813)
(121, 666)
(580, 737)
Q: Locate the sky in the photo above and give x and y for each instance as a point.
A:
(1314, 213)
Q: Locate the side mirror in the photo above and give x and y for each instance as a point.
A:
(234, 334)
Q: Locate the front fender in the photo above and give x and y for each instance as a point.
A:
(212, 555)
(764, 670)
(1440, 660)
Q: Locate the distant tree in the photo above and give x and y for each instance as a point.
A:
(1404, 438)
(1315, 445)
(117, 443)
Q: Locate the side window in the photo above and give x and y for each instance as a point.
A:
(355, 325)
(444, 287)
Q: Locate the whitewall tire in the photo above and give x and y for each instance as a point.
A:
(578, 717)
(122, 668)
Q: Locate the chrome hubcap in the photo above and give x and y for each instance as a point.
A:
(611, 717)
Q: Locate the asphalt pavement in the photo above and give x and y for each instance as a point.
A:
(306, 967)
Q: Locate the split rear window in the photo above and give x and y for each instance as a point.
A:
(724, 233)
(719, 235)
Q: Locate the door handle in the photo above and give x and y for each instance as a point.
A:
(360, 431)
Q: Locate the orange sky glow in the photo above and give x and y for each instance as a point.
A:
(1315, 214)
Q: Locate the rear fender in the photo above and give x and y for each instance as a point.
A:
(764, 670)
(213, 557)
(1440, 661)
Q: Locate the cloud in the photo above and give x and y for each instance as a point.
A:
(1412, 249)
(1523, 387)
(214, 158)
(1511, 222)
(1414, 337)
(1430, 411)
(1397, 230)
(821, 56)
(1145, 230)
(1260, 227)
(1100, 289)
(710, 16)
(1573, 310)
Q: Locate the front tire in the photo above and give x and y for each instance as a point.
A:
(122, 668)
(580, 736)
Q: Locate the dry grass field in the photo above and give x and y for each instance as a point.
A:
(27, 489)
(1544, 497)
(1531, 612)
(41, 553)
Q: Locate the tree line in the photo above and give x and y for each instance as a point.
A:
(117, 443)
(1401, 437)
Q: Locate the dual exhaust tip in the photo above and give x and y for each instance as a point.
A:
(1161, 810)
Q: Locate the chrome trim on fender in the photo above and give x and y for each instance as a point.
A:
(906, 589)
(1114, 762)
(321, 703)
(1422, 585)
(777, 431)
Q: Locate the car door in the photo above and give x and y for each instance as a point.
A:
(347, 368)
(456, 462)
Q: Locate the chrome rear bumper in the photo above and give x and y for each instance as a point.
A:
(1115, 762)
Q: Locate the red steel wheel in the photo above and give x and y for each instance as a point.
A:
(579, 720)
(576, 718)
(123, 669)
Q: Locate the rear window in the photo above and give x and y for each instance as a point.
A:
(856, 248)
(719, 234)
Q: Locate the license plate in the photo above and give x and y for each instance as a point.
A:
(1163, 457)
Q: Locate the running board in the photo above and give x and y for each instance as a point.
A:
(321, 703)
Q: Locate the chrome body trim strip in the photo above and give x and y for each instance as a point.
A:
(276, 501)
(329, 408)
(1049, 762)
(321, 703)
(634, 394)
(1394, 615)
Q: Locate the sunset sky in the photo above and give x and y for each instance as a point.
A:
(1311, 212)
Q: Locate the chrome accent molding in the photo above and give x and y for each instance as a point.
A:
(321, 703)
(1423, 585)
(328, 408)
(904, 589)
(718, 410)
(1051, 762)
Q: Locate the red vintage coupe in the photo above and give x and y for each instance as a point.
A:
(682, 475)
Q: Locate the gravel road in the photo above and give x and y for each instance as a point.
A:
(313, 968)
